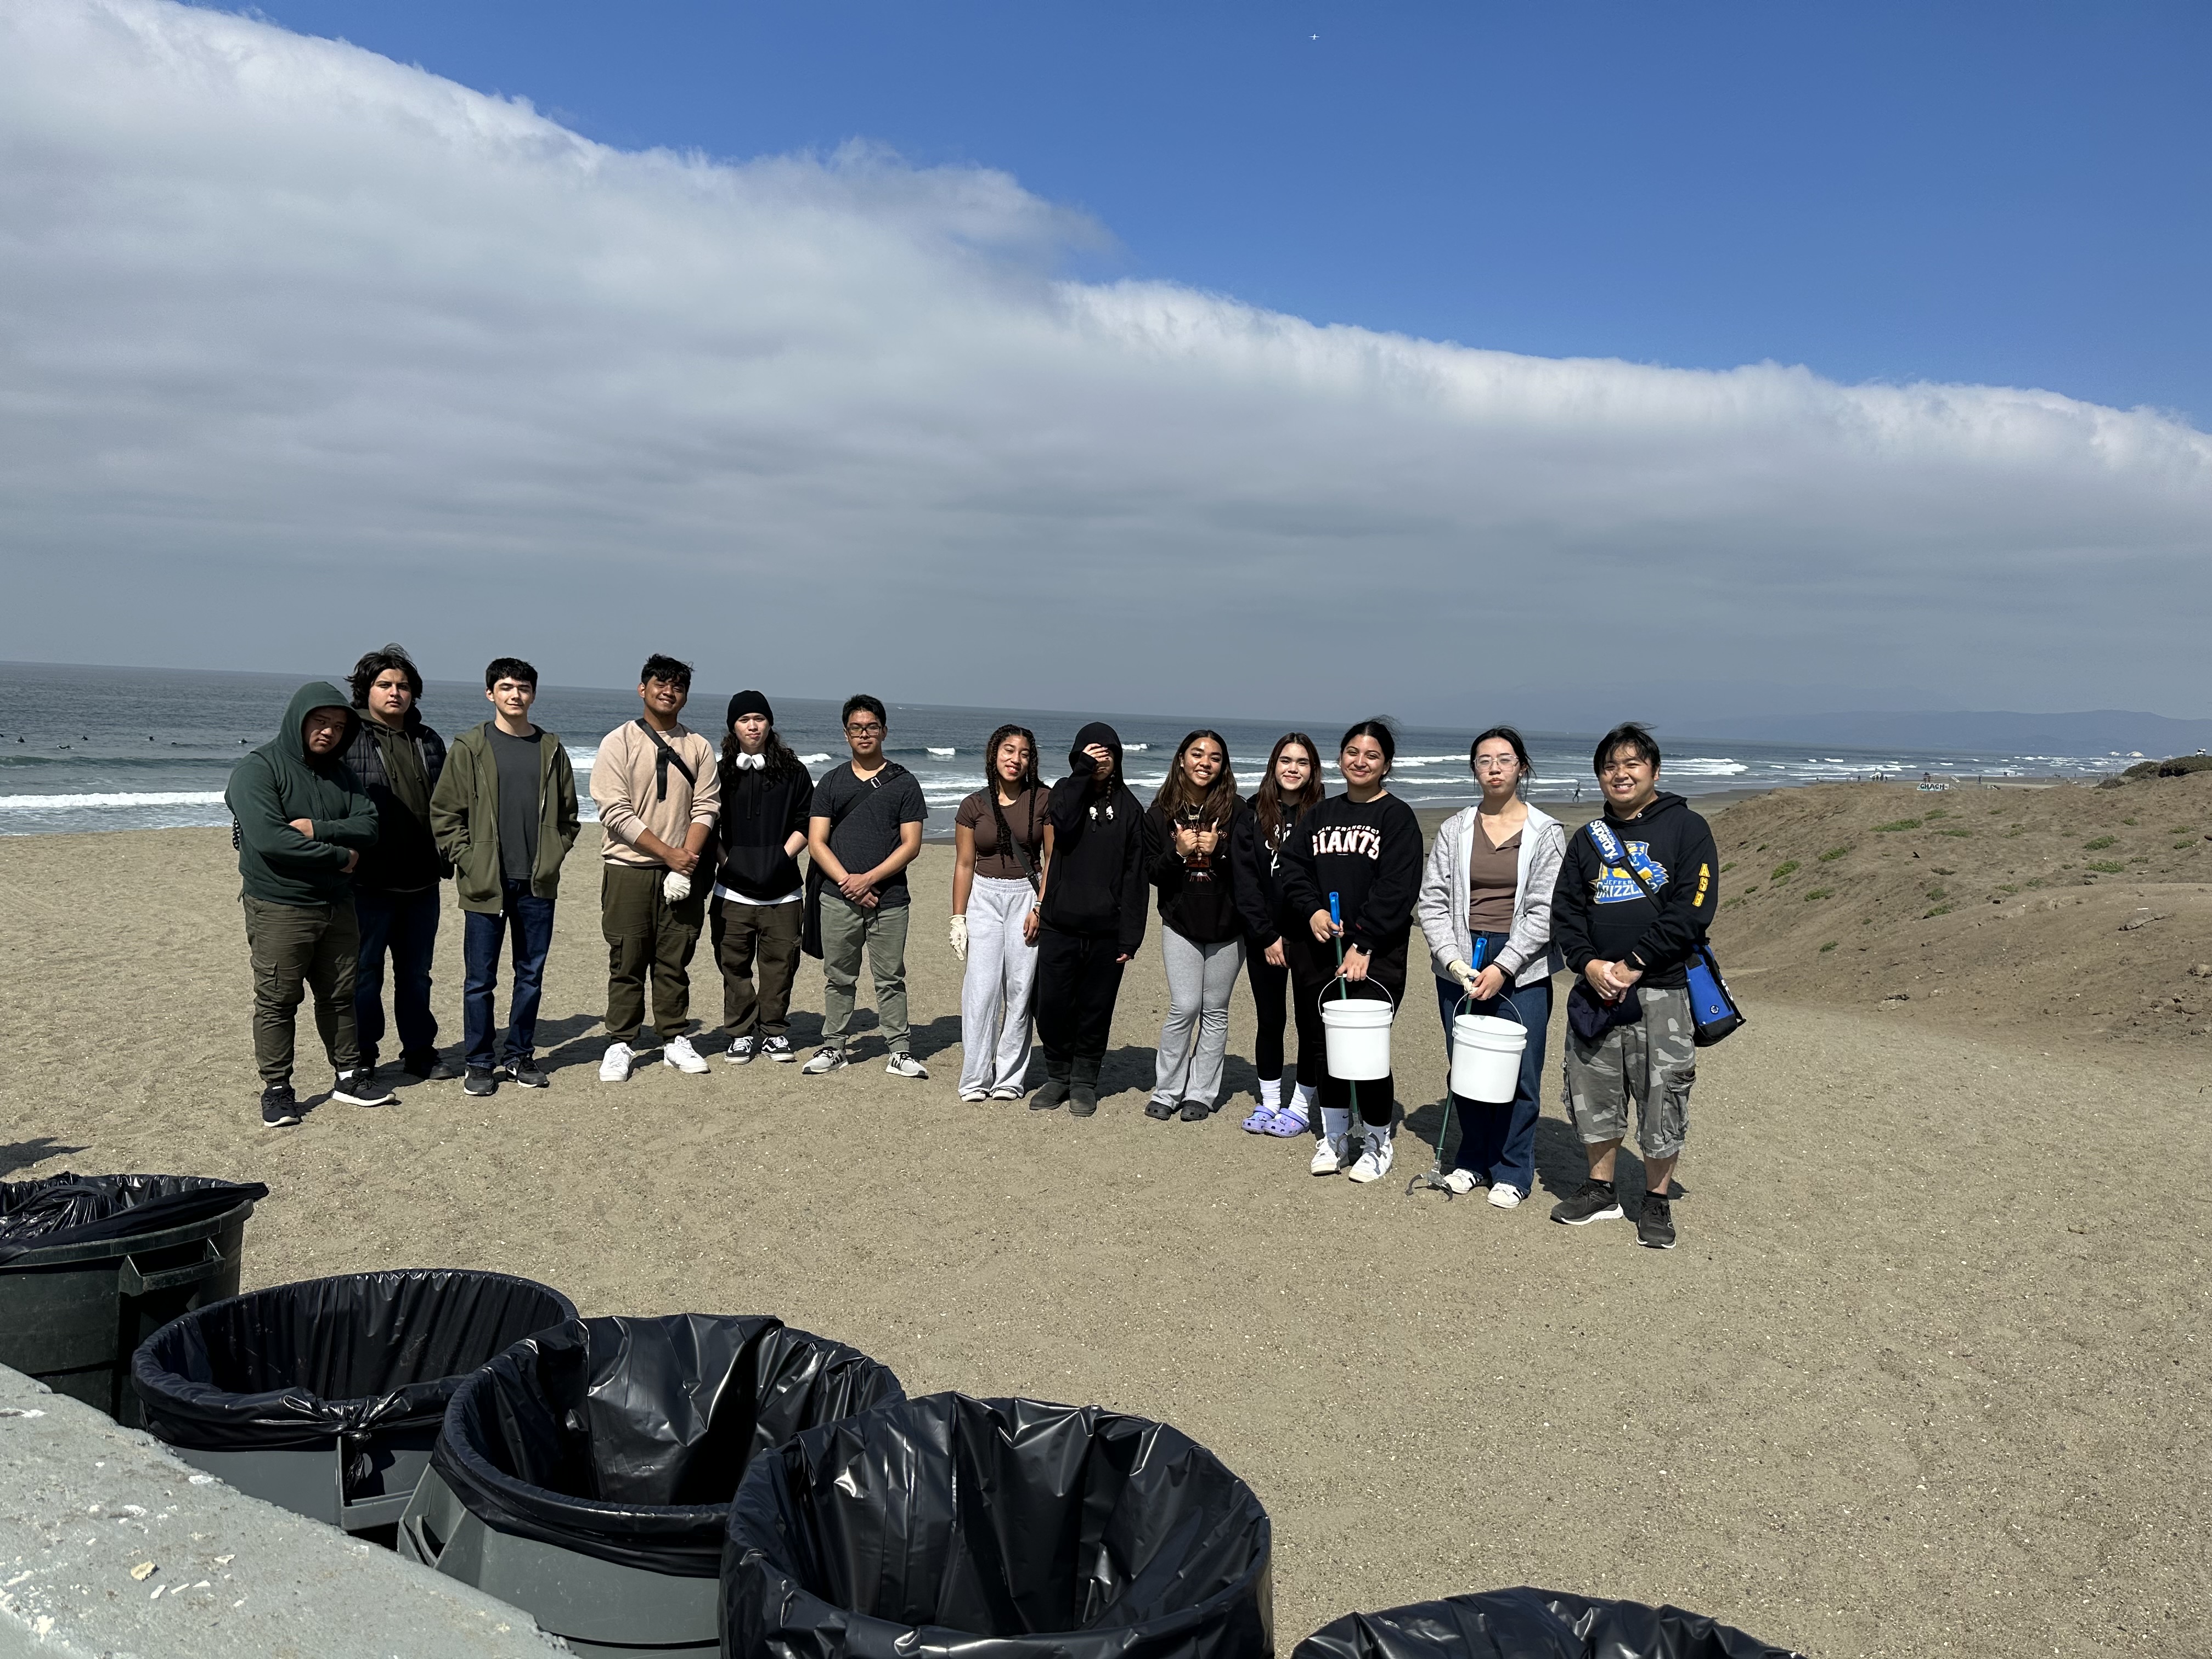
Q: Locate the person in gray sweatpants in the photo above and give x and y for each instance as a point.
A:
(1189, 833)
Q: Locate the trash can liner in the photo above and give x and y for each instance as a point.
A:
(623, 1438)
(73, 1209)
(294, 1365)
(996, 1530)
(1532, 1623)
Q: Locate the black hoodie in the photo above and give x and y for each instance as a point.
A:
(1599, 913)
(1198, 897)
(1095, 886)
(1258, 866)
(1369, 853)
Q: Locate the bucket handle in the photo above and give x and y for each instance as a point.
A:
(1467, 1001)
(134, 1280)
(1322, 999)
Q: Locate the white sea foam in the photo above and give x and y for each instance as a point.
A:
(70, 803)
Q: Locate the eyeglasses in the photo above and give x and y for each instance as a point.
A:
(864, 728)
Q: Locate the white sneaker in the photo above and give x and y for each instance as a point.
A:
(1505, 1196)
(614, 1064)
(1328, 1156)
(1460, 1182)
(904, 1064)
(827, 1057)
(679, 1052)
(974, 1096)
(1374, 1160)
(1007, 1091)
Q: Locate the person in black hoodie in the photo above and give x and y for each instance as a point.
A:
(1291, 785)
(767, 796)
(1636, 891)
(398, 757)
(1364, 847)
(1188, 832)
(1092, 917)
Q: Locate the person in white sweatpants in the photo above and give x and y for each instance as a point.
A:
(998, 836)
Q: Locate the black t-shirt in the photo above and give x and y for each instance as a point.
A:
(865, 815)
(519, 769)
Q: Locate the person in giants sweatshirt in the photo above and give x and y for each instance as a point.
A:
(1628, 922)
(1364, 847)
(1092, 917)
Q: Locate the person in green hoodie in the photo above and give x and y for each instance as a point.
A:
(302, 822)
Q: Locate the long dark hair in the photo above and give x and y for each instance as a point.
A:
(1178, 795)
(1029, 779)
(1385, 739)
(782, 762)
(1269, 802)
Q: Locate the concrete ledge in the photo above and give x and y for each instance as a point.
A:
(110, 1548)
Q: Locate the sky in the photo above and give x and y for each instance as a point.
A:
(1056, 356)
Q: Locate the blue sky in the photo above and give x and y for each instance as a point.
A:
(2003, 194)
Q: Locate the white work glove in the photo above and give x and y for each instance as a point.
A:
(677, 885)
(1464, 973)
(960, 937)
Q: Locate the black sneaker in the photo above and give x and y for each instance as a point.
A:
(481, 1080)
(1594, 1200)
(280, 1107)
(1082, 1100)
(778, 1048)
(1196, 1111)
(1051, 1098)
(1159, 1109)
(1655, 1228)
(359, 1087)
(429, 1068)
(526, 1072)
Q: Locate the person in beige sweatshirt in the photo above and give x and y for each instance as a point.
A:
(658, 795)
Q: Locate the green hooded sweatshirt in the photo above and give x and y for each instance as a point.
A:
(280, 782)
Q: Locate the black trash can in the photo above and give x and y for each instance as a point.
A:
(1532, 1623)
(91, 1265)
(325, 1396)
(1001, 1527)
(585, 1475)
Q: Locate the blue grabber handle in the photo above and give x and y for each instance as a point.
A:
(1335, 916)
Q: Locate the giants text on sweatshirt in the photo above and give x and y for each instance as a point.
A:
(1368, 854)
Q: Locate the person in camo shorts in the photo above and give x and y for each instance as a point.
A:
(1628, 924)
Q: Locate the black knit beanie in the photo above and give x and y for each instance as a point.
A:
(750, 702)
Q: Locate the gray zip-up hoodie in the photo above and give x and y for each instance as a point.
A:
(1528, 954)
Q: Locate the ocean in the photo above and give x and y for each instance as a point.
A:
(90, 748)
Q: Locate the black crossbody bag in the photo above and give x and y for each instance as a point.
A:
(1713, 1010)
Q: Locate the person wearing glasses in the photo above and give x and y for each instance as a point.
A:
(1486, 899)
(862, 831)
(1628, 929)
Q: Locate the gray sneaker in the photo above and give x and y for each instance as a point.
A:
(903, 1064)
(827, 1057)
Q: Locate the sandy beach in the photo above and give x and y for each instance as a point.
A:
(1927, 1374)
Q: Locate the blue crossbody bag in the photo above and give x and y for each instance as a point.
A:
(1713, 1011)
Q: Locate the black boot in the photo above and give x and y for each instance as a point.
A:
(1083, 1087)
(1054, 1094)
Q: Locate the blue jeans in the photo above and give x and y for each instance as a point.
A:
(1499, 1142)
(407, 924)
(529, 921)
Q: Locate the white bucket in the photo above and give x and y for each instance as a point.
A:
(1357, 1033)
(1485, 1061)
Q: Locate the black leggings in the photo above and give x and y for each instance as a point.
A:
(1271, 988)
(1377, 1096)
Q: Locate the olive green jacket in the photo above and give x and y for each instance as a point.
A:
(465, 817)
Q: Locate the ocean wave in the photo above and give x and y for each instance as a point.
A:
(813, 760)
(1699, 766)
(943, 753)
(94, 802)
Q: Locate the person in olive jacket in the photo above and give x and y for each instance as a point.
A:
(302, 822)
(504, 814)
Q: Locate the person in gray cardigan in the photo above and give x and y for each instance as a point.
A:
(1485, 909)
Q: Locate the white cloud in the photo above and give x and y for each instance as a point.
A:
(300, 347)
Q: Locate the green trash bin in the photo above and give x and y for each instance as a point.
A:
(91, 1265)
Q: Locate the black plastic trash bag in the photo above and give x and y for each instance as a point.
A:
(1532, 1623)
(623, 1438)
(73, 1209)
(294, 1365)
(1001, 1529)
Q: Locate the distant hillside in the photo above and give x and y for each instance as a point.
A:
(2094, 732)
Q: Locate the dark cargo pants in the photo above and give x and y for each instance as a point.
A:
(646, 935)
(295, 949)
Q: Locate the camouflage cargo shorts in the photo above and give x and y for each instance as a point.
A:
(1652, 1063)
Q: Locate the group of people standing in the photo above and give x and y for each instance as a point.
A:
(348, 820)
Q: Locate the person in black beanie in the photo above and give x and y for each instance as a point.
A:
(767, 796)
(1091, 916)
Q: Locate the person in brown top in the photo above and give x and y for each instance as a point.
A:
(658, 794)
(998, 836)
